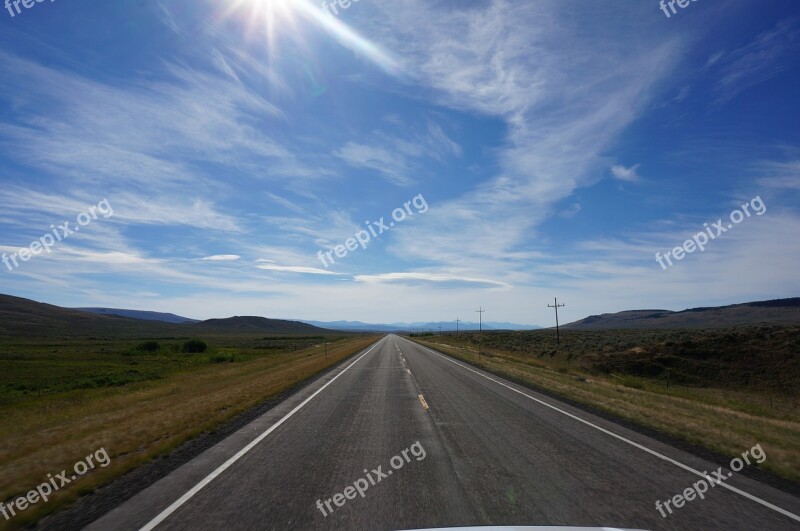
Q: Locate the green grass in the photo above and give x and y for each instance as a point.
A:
(63, 398)
(31, 370)
(765, 359)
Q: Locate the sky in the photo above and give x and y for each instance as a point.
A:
(448, 155)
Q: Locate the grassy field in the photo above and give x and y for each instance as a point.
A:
(62, 399)
(724, 390)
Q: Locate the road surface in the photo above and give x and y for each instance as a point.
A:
(439, 443)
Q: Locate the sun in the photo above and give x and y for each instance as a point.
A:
(276, 19)
(265, 18)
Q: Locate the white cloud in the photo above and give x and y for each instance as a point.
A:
(439, 278)
(622, 173)
(558, 90)
(563, 100)
(296, 269)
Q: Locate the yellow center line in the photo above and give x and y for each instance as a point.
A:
(422, 401)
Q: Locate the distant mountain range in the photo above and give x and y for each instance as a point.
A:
(23, 317)
(779, 311)
(446, 326)
(26, 318)
(349, 326)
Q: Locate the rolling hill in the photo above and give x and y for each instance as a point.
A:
(256, 324)
(24, 317)
(138, 314)
(774, 312)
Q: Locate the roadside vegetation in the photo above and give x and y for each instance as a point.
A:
(61, 399)
(723, 389)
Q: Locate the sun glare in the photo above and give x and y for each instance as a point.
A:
(264, 17)
(274, 18)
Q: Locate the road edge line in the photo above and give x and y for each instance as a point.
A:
(163, 515)
(620, 437)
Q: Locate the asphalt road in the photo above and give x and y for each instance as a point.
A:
(479, 450)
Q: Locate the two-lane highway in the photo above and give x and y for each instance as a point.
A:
(494, 453)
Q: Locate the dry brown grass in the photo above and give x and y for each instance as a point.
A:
(700, 416)
(138, 422)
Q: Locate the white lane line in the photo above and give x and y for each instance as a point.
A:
(224, 466)
(621, 438)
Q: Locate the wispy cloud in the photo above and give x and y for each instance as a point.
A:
(771, 53)
(387, 163)
(296, 269)
(431, 278)
(442, 144)
(523, 123)
(542, 80)
(81, 135)
(780, 175)
(401, 160)
(571, 210)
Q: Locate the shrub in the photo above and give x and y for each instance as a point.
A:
(194, 346)
(148, 346)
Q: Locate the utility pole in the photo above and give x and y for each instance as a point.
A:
(556, 306)
(480, 318)
(457, 321)
(440, 328)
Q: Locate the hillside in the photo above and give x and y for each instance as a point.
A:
(26, 318)
(137, 314)
(256, 324)
(774, 312)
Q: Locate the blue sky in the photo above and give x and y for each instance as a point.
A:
(558, 145)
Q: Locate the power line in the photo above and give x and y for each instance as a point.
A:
(480, 318)
(556, 306)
